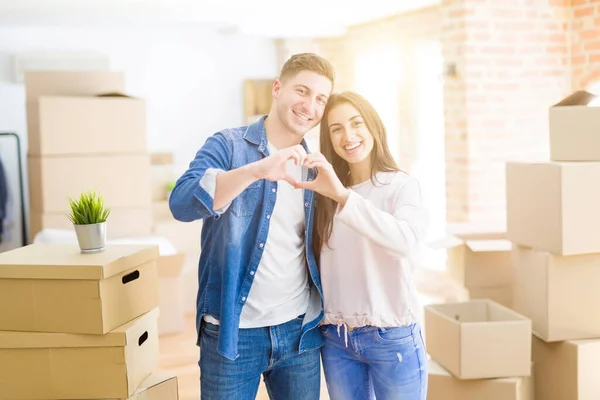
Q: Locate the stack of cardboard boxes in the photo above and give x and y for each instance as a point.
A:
(84, 134)
(76, 326)
(554, 229)
(554, 224)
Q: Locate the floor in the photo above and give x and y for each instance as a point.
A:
(179, 354)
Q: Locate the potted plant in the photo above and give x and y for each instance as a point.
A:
(88, 215)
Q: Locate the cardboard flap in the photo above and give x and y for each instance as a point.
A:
(477, 311)
(489, 245)
(120, 337)
(65, 261)
(65, 101)
(579, 98)
(436, 369)
(71, 83)
(446, 242)
(155, 381)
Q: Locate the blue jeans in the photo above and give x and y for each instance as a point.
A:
(382, 363)
(271, 352)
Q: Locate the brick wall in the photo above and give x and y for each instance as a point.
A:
(506, 63)
(512, 64)
(585, 39)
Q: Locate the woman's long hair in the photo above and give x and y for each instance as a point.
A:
(381, 161)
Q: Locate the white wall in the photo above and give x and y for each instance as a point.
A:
(191, 78)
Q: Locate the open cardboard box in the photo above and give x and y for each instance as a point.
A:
(487, 263)
(575, 128)
(478, 339)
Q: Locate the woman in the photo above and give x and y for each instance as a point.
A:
(369, 219)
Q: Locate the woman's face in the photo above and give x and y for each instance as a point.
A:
(349, 135)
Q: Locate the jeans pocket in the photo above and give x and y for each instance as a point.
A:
(210, 329)
(399, 335)
(324, 329)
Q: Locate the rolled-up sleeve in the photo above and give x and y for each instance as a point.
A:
(190, 200)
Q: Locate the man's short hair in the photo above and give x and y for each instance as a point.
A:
(307, 62)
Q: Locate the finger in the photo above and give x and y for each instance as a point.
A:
(317, 164)
(296, 157)
(311, 158)
(302, 154)
(291, 180)
(304, 185)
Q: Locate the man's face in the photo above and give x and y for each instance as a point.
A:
(300, 100)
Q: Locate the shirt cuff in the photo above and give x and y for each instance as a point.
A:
(208, 182)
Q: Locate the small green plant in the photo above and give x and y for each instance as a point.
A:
(88, 209)
(170, 186)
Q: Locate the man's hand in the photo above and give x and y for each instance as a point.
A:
(273, 168)
(326, 183)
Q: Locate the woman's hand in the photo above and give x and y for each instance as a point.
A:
(326, 183)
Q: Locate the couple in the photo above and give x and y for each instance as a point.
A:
(304, 254)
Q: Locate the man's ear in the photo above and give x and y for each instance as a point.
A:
(276, 88)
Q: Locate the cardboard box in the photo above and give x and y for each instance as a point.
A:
(185, 236)
(558, 293)
(86, 125)
(257, 96)
(54, 288)
(161, 159)
(161, 211)
(574, 134)
(39, 366)
(161, 177)
(52, 180)
(554, 206)
(567, 370)
(443, 386)
(71, 83)
(487, 263)
(172, 315)
(455, 256)
(121, 223)
(500, 294)
(158, 386)
(64, 83)
(478, 339)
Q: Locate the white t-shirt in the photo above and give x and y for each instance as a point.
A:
(280, 291)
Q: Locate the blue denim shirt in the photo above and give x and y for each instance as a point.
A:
(232, 243)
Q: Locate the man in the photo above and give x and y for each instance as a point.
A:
(259, 299)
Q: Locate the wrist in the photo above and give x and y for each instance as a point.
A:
(253, 171)
(342, 196)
